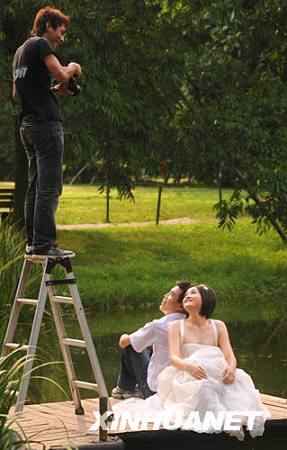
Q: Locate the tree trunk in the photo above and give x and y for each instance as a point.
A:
(21, 177)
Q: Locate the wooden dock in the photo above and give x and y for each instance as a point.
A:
(56, 425)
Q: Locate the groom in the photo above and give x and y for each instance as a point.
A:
(139, 369)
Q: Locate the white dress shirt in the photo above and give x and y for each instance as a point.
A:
(155, 333)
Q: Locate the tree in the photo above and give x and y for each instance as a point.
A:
(130, 88)
(176, 87)
(232, 117)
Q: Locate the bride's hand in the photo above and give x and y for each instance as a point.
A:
(228, 375)
(196, 371)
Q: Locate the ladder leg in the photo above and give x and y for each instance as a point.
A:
(96, 368)
(32, 342)
(16, 307)
(47, 288)
(60, 327)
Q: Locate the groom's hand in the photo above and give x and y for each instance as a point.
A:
(124, 340)
(228, 375)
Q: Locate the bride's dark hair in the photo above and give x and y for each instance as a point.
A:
(208, 298)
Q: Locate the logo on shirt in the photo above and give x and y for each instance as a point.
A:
(20, 73)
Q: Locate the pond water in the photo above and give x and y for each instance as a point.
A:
(260, 347)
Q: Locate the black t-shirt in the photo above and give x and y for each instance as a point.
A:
(33, 80)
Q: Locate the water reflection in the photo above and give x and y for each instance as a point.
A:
(260, 348)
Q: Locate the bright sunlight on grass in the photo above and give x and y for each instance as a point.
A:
(84, 204)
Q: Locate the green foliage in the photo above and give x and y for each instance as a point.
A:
(232, 121)
(9, 384)
(130, 86)
(11, 254)
(11, 250)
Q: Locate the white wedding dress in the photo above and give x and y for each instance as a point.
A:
(180, 394)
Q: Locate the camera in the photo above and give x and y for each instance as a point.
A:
(73, 86)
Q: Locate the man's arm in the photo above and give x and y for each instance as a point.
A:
(61, 73)
(15, 95)
(140, 339)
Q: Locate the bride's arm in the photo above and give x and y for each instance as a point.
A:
(225, 345)
(176, 358)
(174, 345)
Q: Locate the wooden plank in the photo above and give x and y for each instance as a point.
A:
(65, 417)
(282, 408)
(91, 404)
(57, 424)
(55, 434)
(277, 413)
(66, 411)
(271, 400)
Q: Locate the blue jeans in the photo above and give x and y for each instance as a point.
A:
(44, 145)
(134, 371)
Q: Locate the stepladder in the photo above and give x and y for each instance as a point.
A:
(48, 289)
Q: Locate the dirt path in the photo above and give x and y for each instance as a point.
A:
(83, 226)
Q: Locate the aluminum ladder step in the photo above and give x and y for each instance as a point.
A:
(74, 342)
(85, 385)
(61, 299)
(27, 301)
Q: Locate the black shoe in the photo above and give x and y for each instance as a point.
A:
(53, 252)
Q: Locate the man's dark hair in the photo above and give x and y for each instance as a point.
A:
(183, 286)
(54, 16)
(208, 298)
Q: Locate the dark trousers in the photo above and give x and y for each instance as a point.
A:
(44, 145)
(134, 371)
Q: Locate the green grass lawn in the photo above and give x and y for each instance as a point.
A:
(130, 267)
(84, 204)
(133, 267)
(80, 204)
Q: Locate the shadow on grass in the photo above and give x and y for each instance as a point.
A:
(124, 266)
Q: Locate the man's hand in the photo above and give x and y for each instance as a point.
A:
(124, 341)
(196, 371)
(61, 88)
(77, 68)
(228, 375)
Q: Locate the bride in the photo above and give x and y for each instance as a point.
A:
(203, 376)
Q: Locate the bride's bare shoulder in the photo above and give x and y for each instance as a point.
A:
(220, 325)
(219, 322)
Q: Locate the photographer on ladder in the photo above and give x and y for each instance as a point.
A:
(34, 64)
